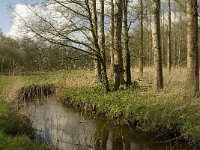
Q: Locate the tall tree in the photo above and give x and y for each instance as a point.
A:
(112, 34)
(180, 44)
(141, 52)
(156, 45)
(175, 50)
(118, 59)
(163, 37)
(169, 52)
(78, 18)
(126, 45)
(97, 62)
(149, 26)
(102, 44)
(192, 48)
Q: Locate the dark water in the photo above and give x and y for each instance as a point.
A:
(65, 129)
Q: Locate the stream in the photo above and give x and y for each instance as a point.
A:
(66, 129)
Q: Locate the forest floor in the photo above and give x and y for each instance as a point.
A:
(169, 114)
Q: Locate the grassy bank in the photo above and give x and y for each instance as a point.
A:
(15, 132)
(169, 113)
(170, 116)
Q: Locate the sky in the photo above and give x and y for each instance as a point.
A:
(10, 23)
(6, 14)
(7, 20)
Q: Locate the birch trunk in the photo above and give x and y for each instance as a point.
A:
(118, 58)
(141, 52)
(156, 46)
(192, 49)
(112, 34)
(163, 39)
(126, 45)
(97, 61)
(103, 52)
(169, 53)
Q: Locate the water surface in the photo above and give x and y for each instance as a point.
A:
(66, 129)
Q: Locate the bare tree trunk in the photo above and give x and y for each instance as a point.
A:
(118, 58)
(175, 50)
(180, 42)
(112, 34)
(169, 61)
(192, 49)
(97, 61)
(126, 45)
(103, 52)
(141, 52)
(179, 50)
(175, 60)
(97, 66)
(148, 50)
(156, 46)
(163, 39)
(102, 32)
(150, 41)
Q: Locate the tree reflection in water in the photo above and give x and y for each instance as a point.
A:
(66, 129)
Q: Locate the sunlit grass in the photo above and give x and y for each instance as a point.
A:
(164, 112)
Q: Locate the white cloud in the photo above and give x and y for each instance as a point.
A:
(21, 13)
(27, 15)
(53, 13)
